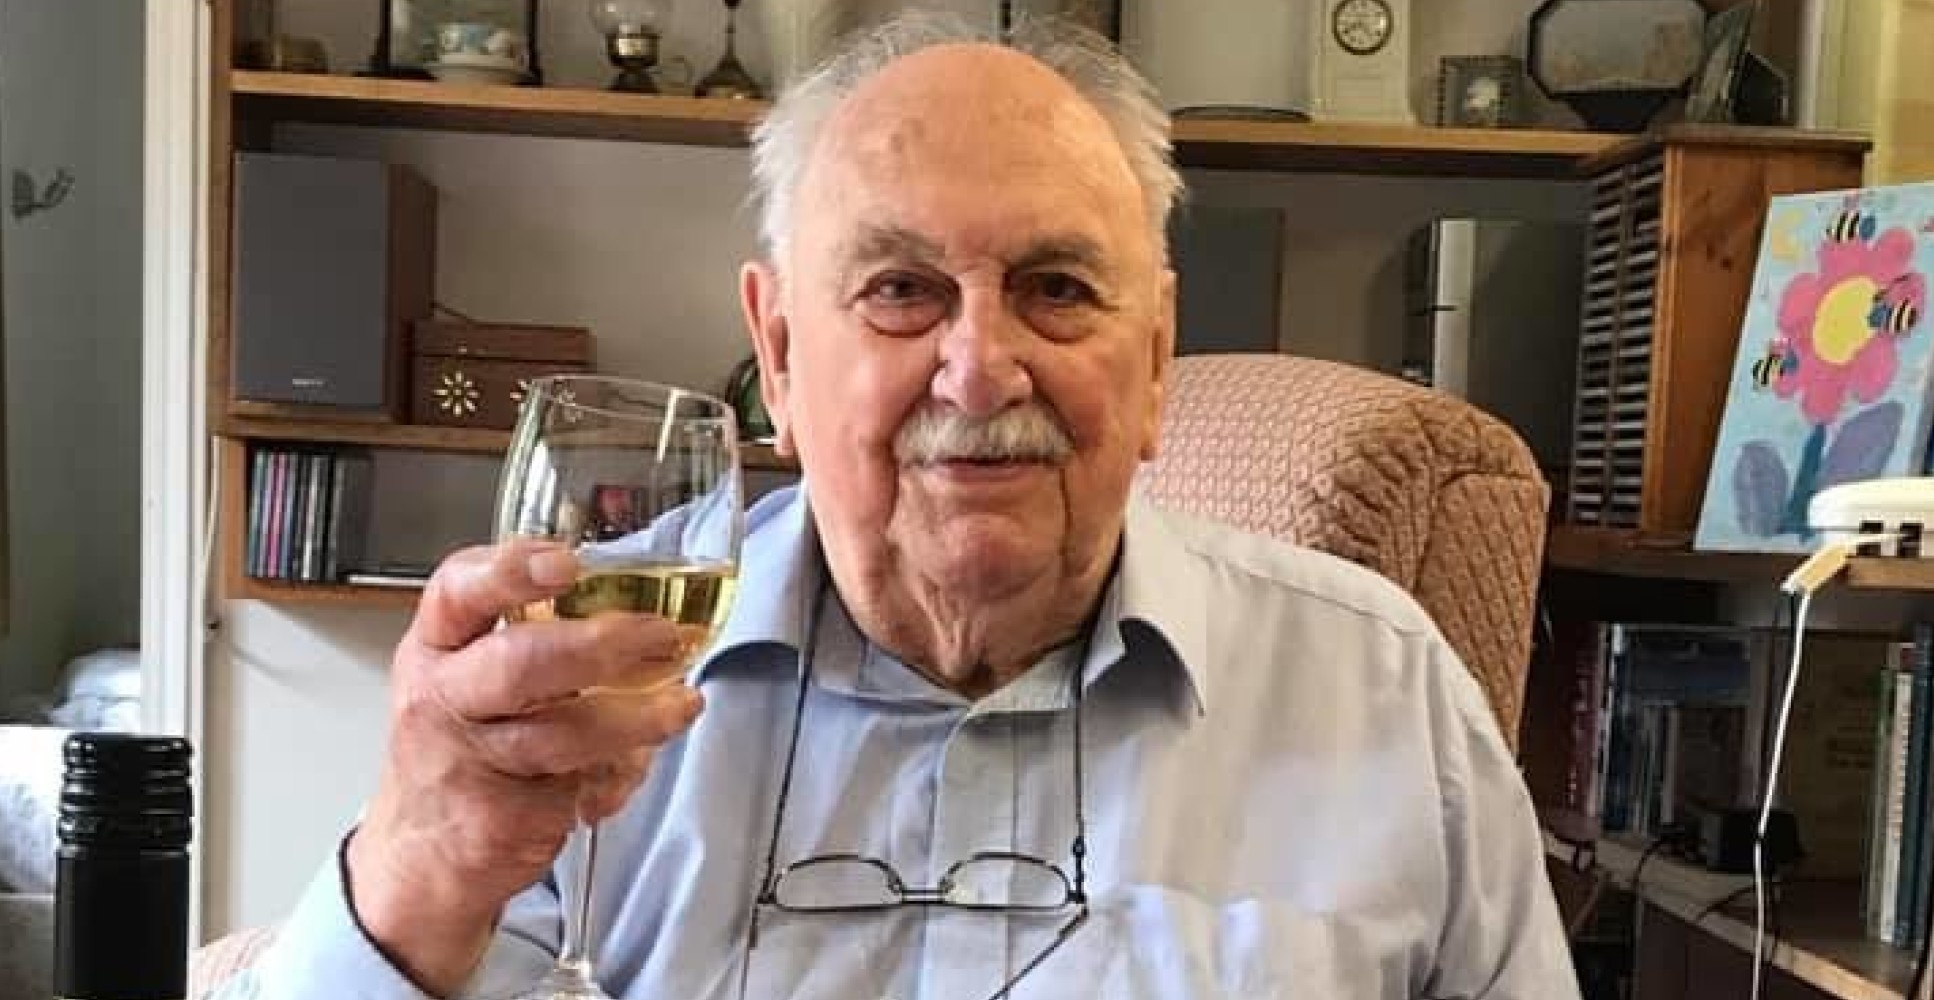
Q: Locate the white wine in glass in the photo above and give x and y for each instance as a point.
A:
(643, 481)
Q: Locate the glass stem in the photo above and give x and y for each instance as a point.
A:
(576, 952)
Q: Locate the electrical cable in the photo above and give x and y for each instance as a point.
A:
(1775, 635)
(1772, 790)
(1815, 572)
(1665, 837)
(1917, 984)
(211, 521)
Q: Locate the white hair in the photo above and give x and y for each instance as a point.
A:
(784, 141)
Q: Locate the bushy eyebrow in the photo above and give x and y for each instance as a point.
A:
(878, 243)
(875, 244)
(1064, 249)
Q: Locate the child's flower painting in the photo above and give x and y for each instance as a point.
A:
(1832, 379)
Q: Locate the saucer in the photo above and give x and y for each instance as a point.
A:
(478, 60)
(460, 73)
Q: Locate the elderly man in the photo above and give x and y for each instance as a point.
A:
(981, 721)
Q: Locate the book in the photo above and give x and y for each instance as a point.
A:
(1670, 689)
(1829, 759)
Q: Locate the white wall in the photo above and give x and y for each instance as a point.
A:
(295, 731)
(641, 244)
(107, 607)
(73, 338)
(1342, 295)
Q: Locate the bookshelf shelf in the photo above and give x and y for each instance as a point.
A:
(1618, 552)
(533, 111)
(325, 594)
(597, 114)
(239, 432)
(1621, 552)
(1823, 945)
(417, 437)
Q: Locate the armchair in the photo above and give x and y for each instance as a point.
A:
(1420, 486)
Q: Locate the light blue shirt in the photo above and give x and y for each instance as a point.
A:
(1294, 789)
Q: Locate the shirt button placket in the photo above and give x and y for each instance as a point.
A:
(965, 955)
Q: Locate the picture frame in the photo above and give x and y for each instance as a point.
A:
(1711, 96)
(1616, 63)
(253, 31)
(1480, 92)
(409, 34)
(614, 512)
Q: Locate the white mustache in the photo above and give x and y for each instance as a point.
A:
(1026, 433)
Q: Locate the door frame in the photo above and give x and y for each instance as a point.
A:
(175, 473)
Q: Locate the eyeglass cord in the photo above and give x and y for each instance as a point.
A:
(813, 606)
(809, 642)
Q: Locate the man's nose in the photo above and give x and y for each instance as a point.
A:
(982, 370)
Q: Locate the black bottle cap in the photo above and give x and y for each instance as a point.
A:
(127, 791)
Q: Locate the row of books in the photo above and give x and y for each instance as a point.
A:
(1900, 848)
(1658, 721)
(1642, 732)
(308, 513)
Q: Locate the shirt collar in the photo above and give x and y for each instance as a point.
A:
(1158, 589)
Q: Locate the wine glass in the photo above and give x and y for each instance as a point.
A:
(643, 481)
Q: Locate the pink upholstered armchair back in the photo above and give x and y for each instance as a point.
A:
(1420, 486)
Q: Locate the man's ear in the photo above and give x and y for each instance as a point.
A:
(1161, 366)
(765, 320)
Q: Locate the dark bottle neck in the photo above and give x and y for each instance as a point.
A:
(121, 902)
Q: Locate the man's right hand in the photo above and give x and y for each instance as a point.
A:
(500, 739)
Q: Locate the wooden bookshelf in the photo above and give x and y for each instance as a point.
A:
(248, 103)
(420, 437)
(598, 114)
(1822, 945)
(1618, 552)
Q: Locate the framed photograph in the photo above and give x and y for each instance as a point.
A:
(1715, 88)
(614, 512)
(254, 29)
(1480, 91)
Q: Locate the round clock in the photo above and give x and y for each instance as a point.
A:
(1362, 27)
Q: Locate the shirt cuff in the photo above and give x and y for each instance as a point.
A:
(322, 952)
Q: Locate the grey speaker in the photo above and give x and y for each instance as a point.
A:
(334, 260)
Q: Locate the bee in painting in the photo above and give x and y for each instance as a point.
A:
(1851, 224)
(1778, 361)
(1895, 312)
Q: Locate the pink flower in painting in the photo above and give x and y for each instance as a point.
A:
(1842, 321)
